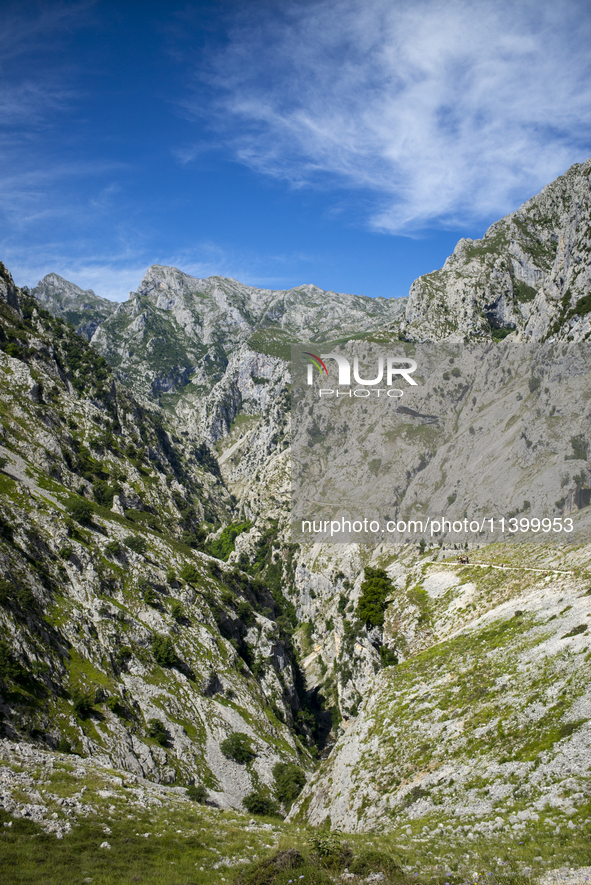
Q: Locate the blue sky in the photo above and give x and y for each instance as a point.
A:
(346, 143)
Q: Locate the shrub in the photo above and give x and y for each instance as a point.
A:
(375, 590)
(113, 548)
(122, 655)
(245, 613)
(136, 543)
(239, 748)
(258, 668)
(190, 573)
(579, 446)
(20, 594)
(228, 598)
(64, 746)
(328, 846)
(277, 711)
(258, 803)
(289, 782)
(80, 510)
(103, 493)
(388, 657)
(372, 860)
(163, 651)
(6, 530)
(151, 597)
(83, 703)
(534, 383)
(6, 590)
(197, 793)
(177, 610)
(116, 707)
(24, 597)
(157, 731)
(283, 865)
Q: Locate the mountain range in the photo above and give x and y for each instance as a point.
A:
(159, 620)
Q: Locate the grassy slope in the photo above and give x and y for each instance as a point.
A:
(156, 835)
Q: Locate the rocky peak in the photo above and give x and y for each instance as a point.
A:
(530, 272)
(82, 308)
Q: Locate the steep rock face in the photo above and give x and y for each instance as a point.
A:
(81, 308)
(531, 272)
(119, 639)
(487, 720)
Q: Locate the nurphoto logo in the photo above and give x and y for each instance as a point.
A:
(395, 368)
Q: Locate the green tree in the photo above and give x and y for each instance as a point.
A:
(224, 545)
(80, 510)
(238, 747)
(163, 651)
(10, 668)
(245, 613)
(197, 793)
(375, 590)
(83, 703)
(289, 782)
(190, 573)
(258, 803)
(113, 548)
(177, 610)
(157, 731)
(136, 543)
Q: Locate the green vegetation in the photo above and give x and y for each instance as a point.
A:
(289, 780)
(259, 802)
(501, 333)
(197, 793)
(238, 746)
(80, 510)
(190, 573)
(113, 548)
(580, 448)
(10, 668)
(534, 383)
(375, 590)
(83, 703)
(164, 651)
(523, 292)
(177, 610)
(157, 731)
(245, 613)
(224, 545)
(274, 342)
(136, 543)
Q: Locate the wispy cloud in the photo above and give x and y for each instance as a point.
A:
(111, 276)
(443, 112)
(114, 276)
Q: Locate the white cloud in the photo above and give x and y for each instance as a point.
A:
(114, 276)
(113, 279)
(445, 112)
